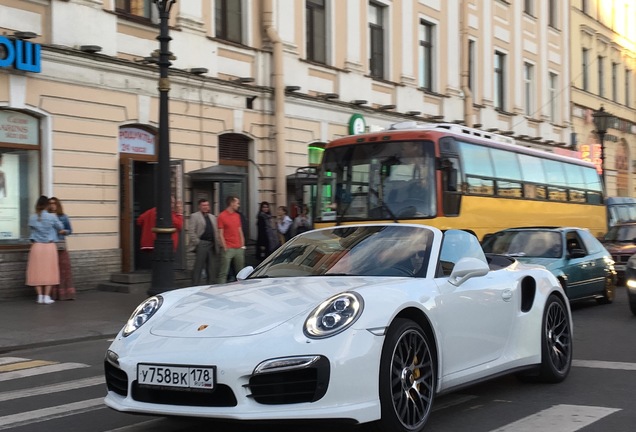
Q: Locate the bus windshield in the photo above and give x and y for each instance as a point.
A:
(379, 181)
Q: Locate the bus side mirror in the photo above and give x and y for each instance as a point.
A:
(452, 180)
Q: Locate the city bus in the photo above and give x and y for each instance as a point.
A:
(454, 177)
(620, 209)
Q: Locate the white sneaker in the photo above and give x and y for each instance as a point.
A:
(40, 299)
(48, 300)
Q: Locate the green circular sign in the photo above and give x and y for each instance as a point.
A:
(357, 124)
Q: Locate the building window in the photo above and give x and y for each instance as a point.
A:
(553, 83)
(316, 31)
(553, 16)
(601, 77)
(528, 7)
(628, 89)
(500, 80)
(228, 20)
(528, 83)
(585, 57)
(376, 38)
(137, 8)
(471, 66)
(19, 174)
(615, 82)
(426, 54)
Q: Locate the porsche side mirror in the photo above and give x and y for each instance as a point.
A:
(467, 268)
(244, 273)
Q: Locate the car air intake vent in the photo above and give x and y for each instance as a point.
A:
(291, 386)
(221, 396)
(116, 379)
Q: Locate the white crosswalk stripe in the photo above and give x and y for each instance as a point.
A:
(561, 418)
(6, 376)
(53, 388)
(44, 414)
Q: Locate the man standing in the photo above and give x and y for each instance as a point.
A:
(232, 239)
(205, 242)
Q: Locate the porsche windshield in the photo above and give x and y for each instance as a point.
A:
(399, 250)
(384, 180)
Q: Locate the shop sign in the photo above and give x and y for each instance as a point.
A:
(136, 141)
(592, 153)
(357, 124)
(22, 55)
(18, 128)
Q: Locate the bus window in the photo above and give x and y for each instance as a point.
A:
(379, 181)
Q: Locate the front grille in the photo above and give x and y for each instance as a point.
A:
(116, 379)
(291, 386)
(621, 259)
(221, 396)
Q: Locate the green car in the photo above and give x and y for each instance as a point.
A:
(580, 262)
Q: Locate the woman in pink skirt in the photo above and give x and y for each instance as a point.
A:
(42, 267)
(65, 290)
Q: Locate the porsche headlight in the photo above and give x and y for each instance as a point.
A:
(142, 314)
(334, 315)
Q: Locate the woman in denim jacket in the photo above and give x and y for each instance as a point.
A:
(42, 266)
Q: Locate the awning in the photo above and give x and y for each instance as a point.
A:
(218, 172)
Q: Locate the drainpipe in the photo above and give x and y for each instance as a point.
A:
(465, 66)
(279, 101)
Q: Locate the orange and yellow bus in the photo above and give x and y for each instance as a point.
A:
(451, 176)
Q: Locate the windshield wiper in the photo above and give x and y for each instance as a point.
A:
(383, 204)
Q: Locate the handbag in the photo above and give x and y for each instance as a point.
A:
(61, 245)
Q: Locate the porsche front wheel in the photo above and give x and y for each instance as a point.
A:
(407, 378)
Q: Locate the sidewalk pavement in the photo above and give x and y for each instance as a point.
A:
(93, 315)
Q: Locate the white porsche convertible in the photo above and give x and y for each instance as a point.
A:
(364, 323)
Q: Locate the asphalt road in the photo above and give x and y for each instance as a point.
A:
(60, 388)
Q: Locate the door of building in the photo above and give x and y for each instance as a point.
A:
(136, 196)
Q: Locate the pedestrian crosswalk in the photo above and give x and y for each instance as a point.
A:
(562, 417)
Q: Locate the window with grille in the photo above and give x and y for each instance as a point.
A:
(233, 149)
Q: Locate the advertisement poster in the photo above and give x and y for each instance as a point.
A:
(9, 200)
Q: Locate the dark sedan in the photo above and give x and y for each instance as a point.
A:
(580, 262)
(630, 282)
(620, 241)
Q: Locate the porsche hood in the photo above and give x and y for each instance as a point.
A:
(249, 307)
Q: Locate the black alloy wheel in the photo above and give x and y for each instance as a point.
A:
(556, 342)
(407, 378)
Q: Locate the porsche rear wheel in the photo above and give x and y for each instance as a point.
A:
(407, 378)
(556, 342)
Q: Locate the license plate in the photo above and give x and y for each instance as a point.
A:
(196, 377)
(619, 267)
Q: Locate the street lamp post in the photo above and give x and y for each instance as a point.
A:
(163, 257)
(601, 122)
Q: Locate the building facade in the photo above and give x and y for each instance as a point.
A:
(257, 87)
(603, 62)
